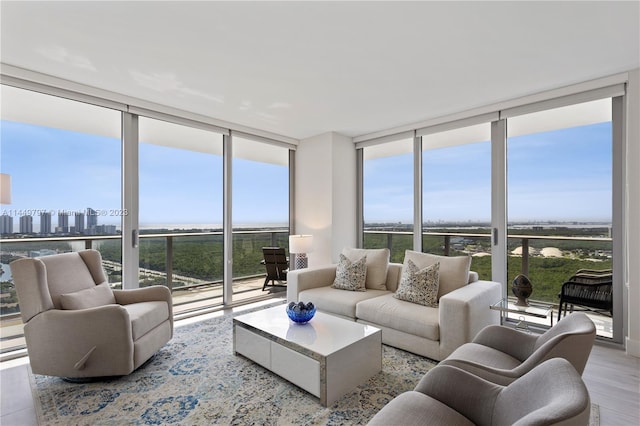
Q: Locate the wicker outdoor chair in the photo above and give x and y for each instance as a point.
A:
(588, 288)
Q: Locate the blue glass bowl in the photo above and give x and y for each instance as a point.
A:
(301, 317)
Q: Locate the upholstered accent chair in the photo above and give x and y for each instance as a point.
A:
(76, 326)
(502, 354)
(551, 393)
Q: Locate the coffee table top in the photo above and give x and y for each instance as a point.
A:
(324, 334)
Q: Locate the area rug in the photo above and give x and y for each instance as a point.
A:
(197, 380)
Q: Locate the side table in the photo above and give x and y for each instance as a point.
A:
(535, 309)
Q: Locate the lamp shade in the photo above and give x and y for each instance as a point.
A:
(300, 243)
(5, 188)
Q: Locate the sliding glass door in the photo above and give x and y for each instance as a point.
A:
(64, 161)
(181, 235)
(388, 185)
(560, 205)
(456, 195)
(260, 211)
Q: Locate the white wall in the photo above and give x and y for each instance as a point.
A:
(325, 199)
(633, 214)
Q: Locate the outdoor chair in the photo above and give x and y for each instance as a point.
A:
(588, 288)
(77, 327)
(277, 264)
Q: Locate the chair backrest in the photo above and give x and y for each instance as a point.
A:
(551, 393)
(275, 260)
(571, 338)
(40, 281)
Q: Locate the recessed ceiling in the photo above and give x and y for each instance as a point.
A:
(299, 69)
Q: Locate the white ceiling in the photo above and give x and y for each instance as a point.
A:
(299, 69)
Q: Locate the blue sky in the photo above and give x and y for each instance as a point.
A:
(53, 169)
(560, 175)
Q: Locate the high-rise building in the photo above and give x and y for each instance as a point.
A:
(79, 223)
(26, 224)
(45, 223)
(63, 223)
(92, 218)
(6, 224)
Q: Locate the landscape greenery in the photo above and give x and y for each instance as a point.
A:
(198, 259)
(547, 274)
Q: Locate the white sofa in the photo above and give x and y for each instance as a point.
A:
(431, 332)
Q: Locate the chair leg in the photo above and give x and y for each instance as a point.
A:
(266, 281)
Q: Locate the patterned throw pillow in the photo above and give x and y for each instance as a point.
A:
(351, 275)
(419, 285)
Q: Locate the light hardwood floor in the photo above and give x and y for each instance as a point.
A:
(612, 377)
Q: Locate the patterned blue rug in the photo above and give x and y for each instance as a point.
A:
(197, 380)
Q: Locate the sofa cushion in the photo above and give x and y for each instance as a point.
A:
(454, 270)
(350, 275)
(377, 265)
(338, 302)
(411, 318)
(145, 316)
(419, 285)
(98, 295)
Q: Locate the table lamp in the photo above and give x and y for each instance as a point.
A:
(300, 245)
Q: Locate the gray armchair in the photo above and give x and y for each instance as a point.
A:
(75, 326)
(502, 354)
(551, 393)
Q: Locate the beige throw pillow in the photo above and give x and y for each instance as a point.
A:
(454, 270)
(88, 298)
(351, 275)
(377, 265)
(419, 285)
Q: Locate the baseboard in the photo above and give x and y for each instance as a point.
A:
(632, 347)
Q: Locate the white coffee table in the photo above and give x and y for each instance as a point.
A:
(327, 357)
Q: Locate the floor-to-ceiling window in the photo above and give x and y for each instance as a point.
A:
(64, 161)
(260, 209)
(456, 194)
(540, 185)
(388, 186)
(180, 200)
(559, 164)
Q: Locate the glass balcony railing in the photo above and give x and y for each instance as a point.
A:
(547, 260)
(190, 264)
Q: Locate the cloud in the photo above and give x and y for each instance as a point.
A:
(62, 55)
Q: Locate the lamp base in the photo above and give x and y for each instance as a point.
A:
(301, 261)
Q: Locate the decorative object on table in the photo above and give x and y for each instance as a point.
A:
(301, 313)
(522, 289)
(300, 245)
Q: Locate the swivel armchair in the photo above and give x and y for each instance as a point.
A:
(502, 354)
(76, 326)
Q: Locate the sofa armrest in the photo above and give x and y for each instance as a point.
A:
(81, 343)
(145, 294)
(158, 293)
(465, 311)
(305, 279)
